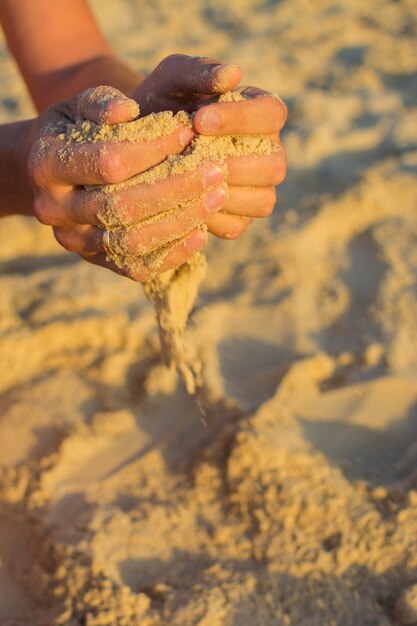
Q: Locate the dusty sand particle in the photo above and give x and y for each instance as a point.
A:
(231, 96)
(148, 128)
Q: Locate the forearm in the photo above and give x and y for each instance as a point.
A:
(60, 50)
(16, 196)
(69, 81)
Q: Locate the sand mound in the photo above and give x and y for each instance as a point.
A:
(294, 502)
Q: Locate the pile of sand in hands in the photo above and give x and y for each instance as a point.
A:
(173, 292)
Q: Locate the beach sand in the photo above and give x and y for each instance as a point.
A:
(293, 500)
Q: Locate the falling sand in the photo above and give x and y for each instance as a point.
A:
(173, 292)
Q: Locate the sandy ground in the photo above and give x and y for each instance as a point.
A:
(294, 501)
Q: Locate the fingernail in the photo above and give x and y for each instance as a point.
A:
(212, 175)
(224, 68)
(211, 121)
(186, 136)
(196, 241)
(215, 200)
(216, 67)
(134, 108)
(130, 106)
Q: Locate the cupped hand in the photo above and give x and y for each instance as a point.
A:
(194, 84)
(182, 82)
(251, 179)
(67, 176)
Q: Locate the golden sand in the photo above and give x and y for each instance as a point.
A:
(118, 506)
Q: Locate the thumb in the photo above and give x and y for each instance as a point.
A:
(183, 74)
(105, 104)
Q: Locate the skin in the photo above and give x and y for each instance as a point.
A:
(62, 62)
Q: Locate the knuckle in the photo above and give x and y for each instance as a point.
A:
(110, 166)
(61, 235)
(84, 101)
(40, 164)
(85, 96)
(42, 210)
(169, 60)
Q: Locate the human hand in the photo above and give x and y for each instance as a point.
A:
(251, 179)
(194, 84)
(59, 171)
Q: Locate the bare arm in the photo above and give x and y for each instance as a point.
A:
(60, 49)
(15, 191)
(61, 52)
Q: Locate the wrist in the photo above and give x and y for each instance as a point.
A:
(69, 81)
(24, 147)
(15, 144)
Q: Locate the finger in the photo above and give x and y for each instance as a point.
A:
(144, 269)
(263, 115)
(260, 170)
(86, 240)
(87, 163)
(175, 224)
(228, 226)
(174, 102)
(133, 204)
(247, 93)
(250, 201)
(183, 74)
(105, 104)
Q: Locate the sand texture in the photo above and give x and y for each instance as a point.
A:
(174, 294)
(293, 500)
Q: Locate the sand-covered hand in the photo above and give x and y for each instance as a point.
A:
(79, 145)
